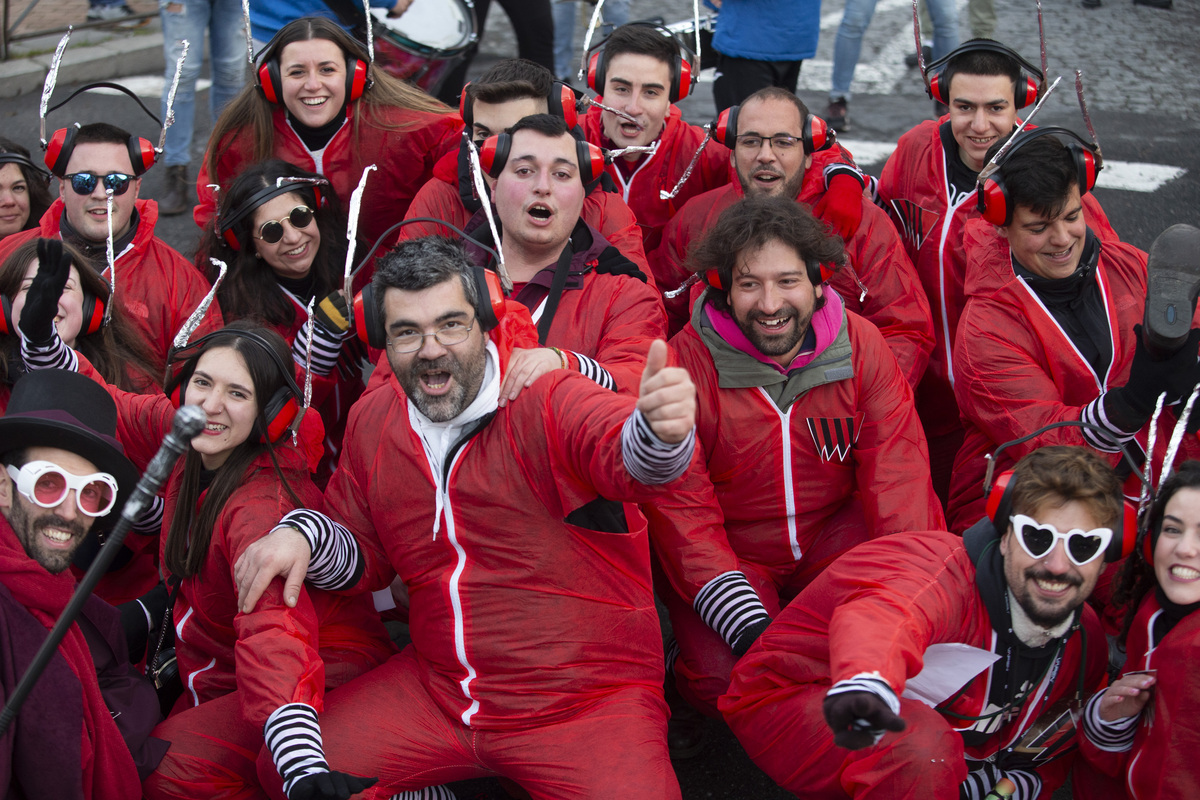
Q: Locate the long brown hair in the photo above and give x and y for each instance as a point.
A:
(250, 113)
(191, 529)
(116, 350)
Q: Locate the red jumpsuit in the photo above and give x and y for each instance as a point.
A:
(677, 145)
(895, 301)
(1161, 761)
(238, 668)
(930, 214)
(842, 462)
(877, 611)
(1017, 369)
(439, 198)
(157, 288)
(536, 646)
(404, 145)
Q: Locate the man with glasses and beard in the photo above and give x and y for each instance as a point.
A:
(925, 664)
(156, 286)
(65, 473)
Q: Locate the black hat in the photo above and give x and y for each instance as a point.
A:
(60, 408)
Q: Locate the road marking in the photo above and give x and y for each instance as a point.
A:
(1129, 176)
(150, 85)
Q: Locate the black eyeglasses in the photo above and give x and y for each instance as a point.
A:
(752, 141)
(85, 182)
(448, 335)
(271, 231)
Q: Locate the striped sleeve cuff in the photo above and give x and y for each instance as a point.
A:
(841, 168)
(53, 354)
(293, 735)
(981, 782)
(337, 561)
(326, 349)
(650, 460)
(868, 682)
(729, 605)
(1111, 737)
(150, 522)
(1113, 437)
(591, 369)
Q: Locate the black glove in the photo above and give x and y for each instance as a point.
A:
(1131, 405)
(333, 314)
(41, 301)
(329, 786)
(858, 719)
(749, 636)
(1181, 384)
(140, 619)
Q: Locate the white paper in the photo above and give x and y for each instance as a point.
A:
(948, 667)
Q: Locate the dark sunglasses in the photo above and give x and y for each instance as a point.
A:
(271, 231)
(1038, 538)
(85, 182)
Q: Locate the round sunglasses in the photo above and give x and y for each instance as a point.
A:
(47, 484)
(1038, 539)
(271, 231)
(85, 182)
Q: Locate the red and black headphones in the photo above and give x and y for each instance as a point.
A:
(280, 410)
(1028, 85)
(992, 198)
(270, 82)
(280, 186)
(816, 134)
(683, 79)
(495, 150)
(142, 152)
(561, 103)
(22, 160)
(818, 274)
(369, 326)
(93, 315)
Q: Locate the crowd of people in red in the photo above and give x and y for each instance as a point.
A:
(877, 447)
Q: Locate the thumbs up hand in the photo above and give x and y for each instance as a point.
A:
(667, 397)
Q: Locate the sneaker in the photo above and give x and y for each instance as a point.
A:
(1172, 287)
(119, 15)
(837, 116)
(910, 60)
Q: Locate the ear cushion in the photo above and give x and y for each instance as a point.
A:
(992, 201)
(465, 108)
(681, 79)
(725, 130)
(595, 72)
(817, 135)
(141, 155)
(357, 80)
(562, 103)
(491, 290)
(279, 413)
(269, 81)
(1027, 92)
(493, 154)
(818, 273)
(999, 501)
(367, 324)
(93, 314)
(712, 277)
(6, 324)
(1085, 166)
(58, 150)
(591, 160)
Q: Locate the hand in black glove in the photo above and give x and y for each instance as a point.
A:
(749, 636)
(333, 314)
(1182, 383)
(1131, 405)
(329, 786)
(858, 719)
(41, 301)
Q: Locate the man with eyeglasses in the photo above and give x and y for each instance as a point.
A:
(84, 730)
(156, 287)
(928, 665)
(536, 651)
(771, 159)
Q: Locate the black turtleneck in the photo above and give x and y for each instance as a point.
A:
(315, 139)
(301, 287)
(97, 252)
(1077, 305)
(1172, 615)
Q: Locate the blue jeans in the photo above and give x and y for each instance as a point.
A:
(189, 19)
(566, 57)
(857, 17)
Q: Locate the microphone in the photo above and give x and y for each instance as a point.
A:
(187, 425)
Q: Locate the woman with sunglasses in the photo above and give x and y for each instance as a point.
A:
(284, 246)
(318, 103)
(1143, 730)
(24, 189)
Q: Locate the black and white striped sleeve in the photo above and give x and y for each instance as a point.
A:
(983, 780)
(327, 348)
(1113, 437)
(151, 520)
(1111, 737)
(649, 459)
(590, 368)
(842, 168)
(293, 735)
(53, 354)
(867, 682)
(337, 561)
(729, 605)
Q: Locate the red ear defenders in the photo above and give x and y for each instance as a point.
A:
(682, 78)
(93, 315)
(560, 103)
(62, 144)
(280, 410)
(999, 509)
(818, 273)
(270, 82)
(225, 225)
(1027, 85)
(494, 153)
(816, 135)
(370, 327)
(992, 196)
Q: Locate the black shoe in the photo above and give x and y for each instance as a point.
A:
(910, 60)
(175, 199)
(687, 729)
(1172, 287)
(837, 116)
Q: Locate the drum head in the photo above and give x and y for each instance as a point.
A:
(430, 27)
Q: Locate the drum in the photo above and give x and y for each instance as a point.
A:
(685, 32)
(425, 43)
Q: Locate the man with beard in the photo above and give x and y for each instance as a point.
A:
(772, 159)
(805, 422)
(64, 472)
(536, 652)
(928, 665)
